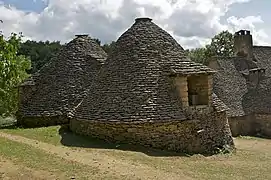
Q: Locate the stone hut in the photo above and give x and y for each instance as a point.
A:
(49, 96)
(149, 93)
(243, 83)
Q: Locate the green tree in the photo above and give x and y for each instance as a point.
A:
(221, 45)
(39, 52)
(199, 55)
(108, 48)
(12, 72)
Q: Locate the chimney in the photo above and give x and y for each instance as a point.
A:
(255, 76)
(143, 19)
(81, 35)
(243, 44)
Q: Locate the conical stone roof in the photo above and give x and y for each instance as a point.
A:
(134, 83)
(62, 83)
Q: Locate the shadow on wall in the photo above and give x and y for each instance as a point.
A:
(72, 140)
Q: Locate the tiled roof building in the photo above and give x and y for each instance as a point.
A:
(243, 83)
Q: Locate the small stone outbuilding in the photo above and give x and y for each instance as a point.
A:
(149, 93)
(50, 95)
(243, 83)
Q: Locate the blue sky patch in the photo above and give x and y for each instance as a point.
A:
(27, 5)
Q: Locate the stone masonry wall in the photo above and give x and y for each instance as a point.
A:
(182, 89)
(199, 84)
(202, 135)
(263, 125)
(242, 126)
(253, 125)
(243, 44)
(202, 84)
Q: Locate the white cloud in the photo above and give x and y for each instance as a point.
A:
(191, 22)
(260, 36)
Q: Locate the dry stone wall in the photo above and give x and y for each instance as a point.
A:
(206, 134)
(199, 85)
(251, 125)
(263, 125)
(242, 126)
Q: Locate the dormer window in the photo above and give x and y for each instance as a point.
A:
(198, 88)
(194, 90)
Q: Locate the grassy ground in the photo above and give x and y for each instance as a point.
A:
(41, 163)
(47, 156)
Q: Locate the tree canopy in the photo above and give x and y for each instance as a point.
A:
(12, 72)
(39, 52)
(221, 45)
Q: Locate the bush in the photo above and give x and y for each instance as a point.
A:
(8, 121)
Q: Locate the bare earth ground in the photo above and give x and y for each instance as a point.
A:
(252, 160)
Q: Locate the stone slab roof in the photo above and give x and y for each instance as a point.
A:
(29, 81)
(62, 83)
(219, 105)
(262, 55)
(232, 86)
(261, 101)
(134, 83)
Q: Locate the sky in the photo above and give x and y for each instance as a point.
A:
(191, 22)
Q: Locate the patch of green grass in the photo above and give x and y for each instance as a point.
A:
(251, 161)
(45, 134)
(37, 159)
(57, 136)
(242, 165)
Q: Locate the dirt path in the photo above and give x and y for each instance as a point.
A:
(108, 164)
(254, 144)
(11, 171)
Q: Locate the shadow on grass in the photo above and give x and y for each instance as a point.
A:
(10, 126)
(73, 140)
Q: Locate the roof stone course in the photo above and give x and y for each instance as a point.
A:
(242, 95)
(134, 82)
(61, 83)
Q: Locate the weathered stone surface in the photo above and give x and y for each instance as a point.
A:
(203, 135)
(251, 125)
(135, 82)
(62, 83)
(242, 126)
(263, 125)
(131, 97)
(243, 83)
(135, 98)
